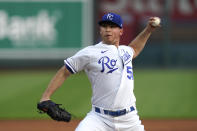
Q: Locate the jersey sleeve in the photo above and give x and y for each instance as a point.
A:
(77, 62)
(131, 51)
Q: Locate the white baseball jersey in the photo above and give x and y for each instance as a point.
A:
(110, 72)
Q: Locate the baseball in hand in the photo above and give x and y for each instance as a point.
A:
(156, 21)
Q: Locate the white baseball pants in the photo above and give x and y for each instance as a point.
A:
(100, 122)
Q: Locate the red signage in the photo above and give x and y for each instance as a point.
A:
(137, 12)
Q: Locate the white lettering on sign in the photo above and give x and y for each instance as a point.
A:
(185, 7)
(29, 31)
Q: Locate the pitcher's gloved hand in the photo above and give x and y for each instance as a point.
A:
(54, 111)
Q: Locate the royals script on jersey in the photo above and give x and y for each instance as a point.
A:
(110, 72)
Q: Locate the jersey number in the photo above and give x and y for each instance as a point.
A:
(129, 73)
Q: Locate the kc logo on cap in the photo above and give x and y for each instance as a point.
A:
(110, 16)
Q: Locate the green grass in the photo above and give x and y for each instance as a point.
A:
(21, 90)
(166, 93)
(160, 93)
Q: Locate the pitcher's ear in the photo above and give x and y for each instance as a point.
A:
(121, 32)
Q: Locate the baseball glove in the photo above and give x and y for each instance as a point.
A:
(54, 111)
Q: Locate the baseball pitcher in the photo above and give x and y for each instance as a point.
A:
(108, 66)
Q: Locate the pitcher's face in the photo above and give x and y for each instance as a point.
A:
(110, 33)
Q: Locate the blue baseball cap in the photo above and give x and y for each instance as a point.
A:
(112, 17)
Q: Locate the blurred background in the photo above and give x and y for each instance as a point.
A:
(42, 33)
(37, 35)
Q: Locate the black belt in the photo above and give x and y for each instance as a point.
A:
(115, 113)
